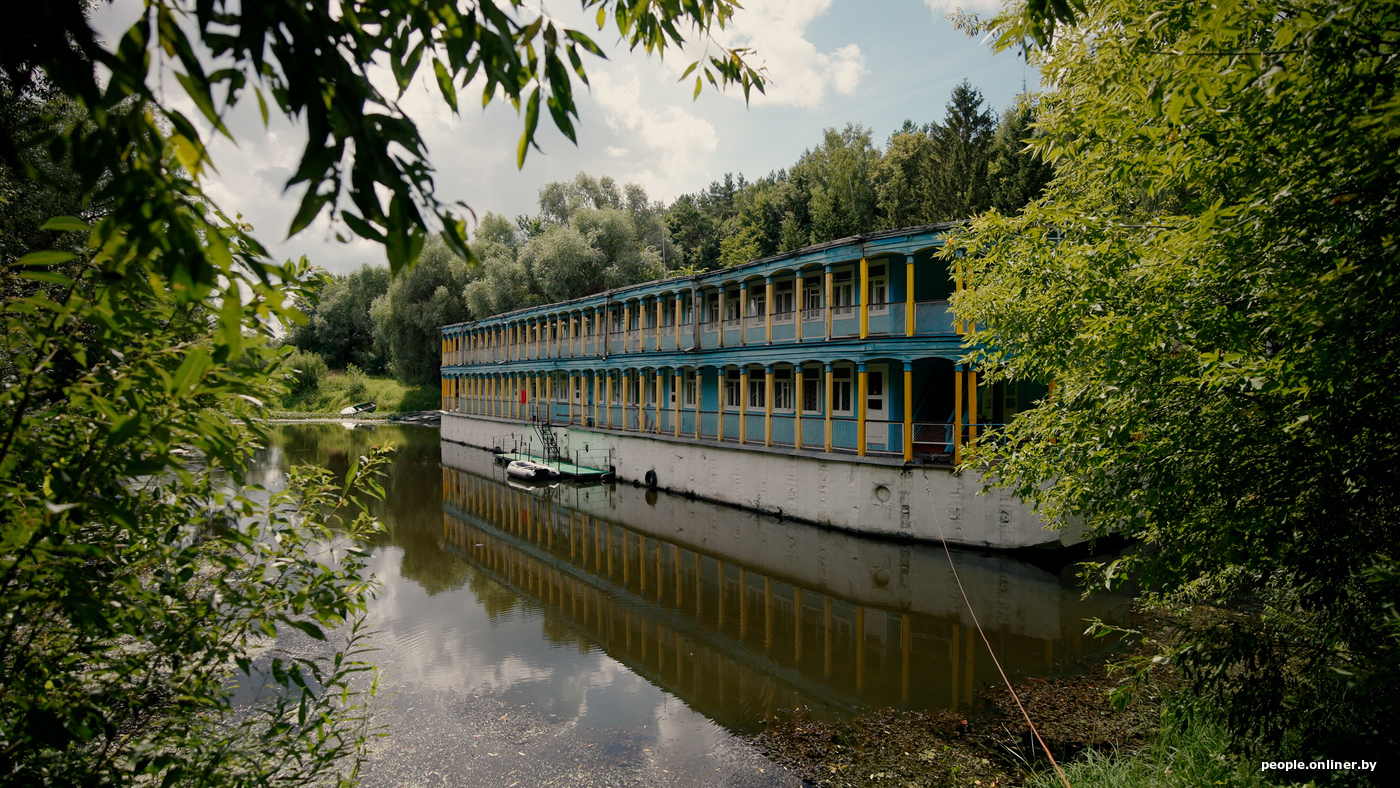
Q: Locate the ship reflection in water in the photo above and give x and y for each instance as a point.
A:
(744, 616)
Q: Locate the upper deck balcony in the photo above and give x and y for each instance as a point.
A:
(887, 284)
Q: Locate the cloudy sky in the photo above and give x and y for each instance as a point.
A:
(830, 62)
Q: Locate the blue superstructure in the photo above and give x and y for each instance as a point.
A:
(844, 347)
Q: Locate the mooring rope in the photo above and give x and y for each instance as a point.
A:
(929, 491)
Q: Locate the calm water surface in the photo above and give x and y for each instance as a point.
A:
(607, 635)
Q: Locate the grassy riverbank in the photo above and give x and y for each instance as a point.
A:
(339, 389)
(1146, 744)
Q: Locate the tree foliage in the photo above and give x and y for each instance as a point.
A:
(588, 237)
(1211, 282)
(137, 580)
(338, 325)
(419, 301)
(939, 171)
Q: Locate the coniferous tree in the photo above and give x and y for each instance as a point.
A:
(964, 142)
(1016, 174)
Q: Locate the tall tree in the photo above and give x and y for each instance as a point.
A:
(338, 324)
(837, 177)
(964, 141)
(1016, 173)
(1211, 281)
(589, 236)
(418, 302)
(905, 180)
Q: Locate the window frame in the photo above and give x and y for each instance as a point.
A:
(813, 379)
(758, 385)
(783, 390)
(843, 380)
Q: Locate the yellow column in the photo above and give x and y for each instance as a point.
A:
(768, 401)
(633, 384)
(607, 399)
(797, 405)
(860, 410)
(678, 326)
(908, 412)
(743, 318)
(721, 378)
(798, 295)
(699, 399)
(864, 298)
(743, 403)
(826, 375)
(719, 319)
(626, 342)
(768, 310)
(658, 347)
(658, 372)
(972, 406)
(909, 297)
(958, 325)
(958, 386)
(599, 326)
(597, 401)
(676, 383)
(826, 301)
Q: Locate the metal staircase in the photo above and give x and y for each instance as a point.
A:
(548, 443)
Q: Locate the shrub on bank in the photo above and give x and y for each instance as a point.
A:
(308, 370)
(1185, 752)
(337, 390)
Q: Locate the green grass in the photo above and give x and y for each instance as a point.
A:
(1178, 758)
(338, 390)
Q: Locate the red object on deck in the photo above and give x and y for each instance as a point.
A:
(522, 396)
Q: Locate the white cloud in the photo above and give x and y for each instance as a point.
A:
(799, 74)
(941, 8)
(667, 144)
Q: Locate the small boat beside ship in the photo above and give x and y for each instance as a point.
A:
(531, 471)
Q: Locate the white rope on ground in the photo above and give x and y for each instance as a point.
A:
(929, 491)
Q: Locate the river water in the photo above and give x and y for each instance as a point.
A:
(610, 635)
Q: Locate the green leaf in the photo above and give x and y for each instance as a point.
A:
(586, 42)
(66, 224)
(50, 277)
(191, 369)
(532, 119)
(309, 628)
(445, 85)
(262, 105)
(46, 257)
